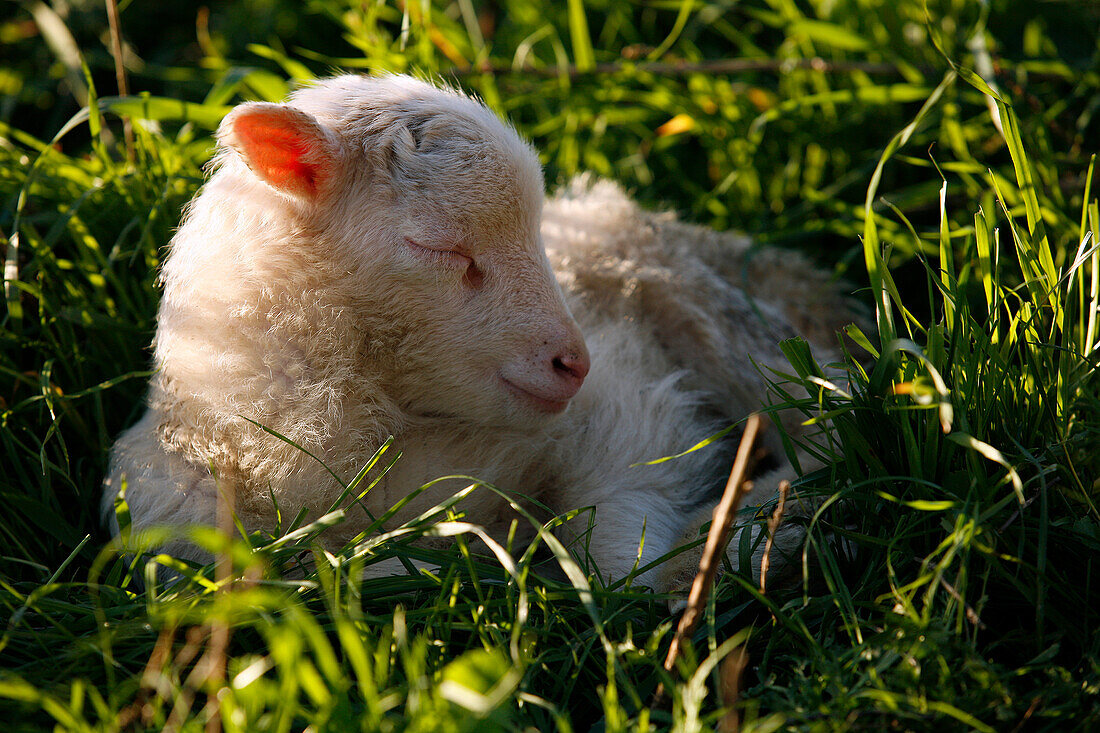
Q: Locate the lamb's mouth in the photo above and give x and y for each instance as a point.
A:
(542, 404)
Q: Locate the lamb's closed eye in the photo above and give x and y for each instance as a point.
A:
(447, 256)
(439, 254)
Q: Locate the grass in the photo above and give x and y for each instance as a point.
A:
(940, 158)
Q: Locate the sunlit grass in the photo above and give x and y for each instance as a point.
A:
(950, 572)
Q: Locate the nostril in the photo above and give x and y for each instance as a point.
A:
(573, 366)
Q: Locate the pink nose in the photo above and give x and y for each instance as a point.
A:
(572, 367)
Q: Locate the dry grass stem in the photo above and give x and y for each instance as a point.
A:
(736, 488)
(773, 527)
(729, 688)
(152, 679)
(971, 614)
(196, 636)
(120, 72)
(210, 671)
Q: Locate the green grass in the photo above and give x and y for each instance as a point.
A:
(955, 571)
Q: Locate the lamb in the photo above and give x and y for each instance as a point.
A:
(368, 260)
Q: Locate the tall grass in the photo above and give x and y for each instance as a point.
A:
(941, 157)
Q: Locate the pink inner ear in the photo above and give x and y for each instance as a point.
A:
(276, 150)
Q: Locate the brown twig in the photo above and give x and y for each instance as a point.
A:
(120, 72)
(773, 527)
(1027, 714)
(213, 638)
(196, 636)
(211, 668)
(152, 680)
(971, 615)
(716, 543)
(729, 689)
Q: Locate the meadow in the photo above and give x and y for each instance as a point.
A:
(938, 157)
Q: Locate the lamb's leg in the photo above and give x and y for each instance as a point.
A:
(749, 538)
(630, 528)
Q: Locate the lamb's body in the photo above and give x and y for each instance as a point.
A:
(306, 302)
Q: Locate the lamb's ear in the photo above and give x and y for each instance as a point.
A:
(287, 148)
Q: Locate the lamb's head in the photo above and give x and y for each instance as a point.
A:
(431, 206)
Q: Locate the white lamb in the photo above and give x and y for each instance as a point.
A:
(368, 260)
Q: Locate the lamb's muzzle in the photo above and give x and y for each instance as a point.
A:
(553, 374)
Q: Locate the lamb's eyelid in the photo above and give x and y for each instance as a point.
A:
(450, 254)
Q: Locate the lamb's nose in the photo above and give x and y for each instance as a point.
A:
(573, 366)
